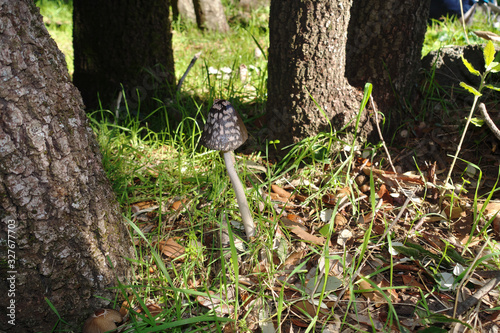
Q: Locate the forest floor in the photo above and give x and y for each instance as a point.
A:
(351, 239)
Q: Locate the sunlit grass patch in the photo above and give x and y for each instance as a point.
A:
(58, 18)
(450, 32)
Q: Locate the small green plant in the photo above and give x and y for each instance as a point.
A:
(491, 66)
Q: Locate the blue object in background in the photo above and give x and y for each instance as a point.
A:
(443, 8)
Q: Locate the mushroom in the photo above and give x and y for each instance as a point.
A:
(225, 131)
(101, 321)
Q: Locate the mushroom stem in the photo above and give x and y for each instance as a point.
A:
(240, 195)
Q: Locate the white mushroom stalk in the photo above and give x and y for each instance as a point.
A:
(240, 195)
(225, 131)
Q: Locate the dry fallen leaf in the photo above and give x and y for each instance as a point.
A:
(340, 221)
(298, 230)
(411, 281)
(375, 295)
(343, 192)
(214, 302)
(295, 218)
(277, 197)
(143, 205)
(179, 204)
(154, 309)
(293, 260)
(454, 213)
(171, 248)
(281, 192)
(492, 208)
(390, 178)
(488, 35)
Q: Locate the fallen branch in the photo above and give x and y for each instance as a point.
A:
(191, 64)
(474, 299)
(489, 122)
(454, 312)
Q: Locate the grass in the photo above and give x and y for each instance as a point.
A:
(341, 249)
(58, 18)
(450, 32)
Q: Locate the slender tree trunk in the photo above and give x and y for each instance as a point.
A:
(61, 229)
(125, 42)
(210, 15)
(184, 9)
(310, 49)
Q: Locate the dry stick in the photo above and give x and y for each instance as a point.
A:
(462, 19)
(380, 134)
(489, 122)
(466, 278)
(474, 299)
(191, 64)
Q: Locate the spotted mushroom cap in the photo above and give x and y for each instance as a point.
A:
(224, 129)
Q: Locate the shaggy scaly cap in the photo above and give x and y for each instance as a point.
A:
(224, 129)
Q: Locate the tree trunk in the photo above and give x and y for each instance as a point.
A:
(210, 15)
(184, 9)
(387, 50)
(125, 42)
(60, 222)
(307, 60)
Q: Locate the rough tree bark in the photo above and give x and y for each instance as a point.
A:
(307, 57)
(210, 15)
(125, 42)
(59, 216)
(384, 47)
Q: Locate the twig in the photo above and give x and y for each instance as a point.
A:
(403, 208)
(191, 64)
(489, 122)
(474, 299)
(380, 134)
(465, 280)
(462, 18)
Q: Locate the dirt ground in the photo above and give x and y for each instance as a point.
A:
(446, 108)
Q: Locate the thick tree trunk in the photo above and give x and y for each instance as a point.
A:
(306, 62)
(210, 15)
(309, 51)
(125, 42)
(61, 229)
(384, 47)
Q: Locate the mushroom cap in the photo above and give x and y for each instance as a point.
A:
(224, 129)
(102, 320)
